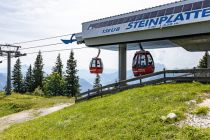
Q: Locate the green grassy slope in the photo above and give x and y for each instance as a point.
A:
(132, 114)
(17, 102)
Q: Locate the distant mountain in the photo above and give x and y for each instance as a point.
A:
(2, 81)
(159, 67)
(84, 85)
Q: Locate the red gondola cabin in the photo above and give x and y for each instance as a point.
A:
(96, 66)
(143, 63)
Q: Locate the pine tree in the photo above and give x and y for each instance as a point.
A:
(17, 77)
(72, 80)
(203, 63)
(97, 81)
(58, 66)
(28, 82)
(38, 74)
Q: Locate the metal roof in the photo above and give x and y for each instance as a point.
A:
(142, 10)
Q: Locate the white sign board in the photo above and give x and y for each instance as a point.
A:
(182, 18)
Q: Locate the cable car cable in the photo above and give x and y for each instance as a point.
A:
(41, 46)
(47, 38)
(99, 51)
(57, 50)
(64, 42)
(52, 51)
(141, 47)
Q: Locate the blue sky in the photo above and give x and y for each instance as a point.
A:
(23, 20)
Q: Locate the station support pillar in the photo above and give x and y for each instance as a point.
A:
(208, 60)
(122, 61)
(8, 89)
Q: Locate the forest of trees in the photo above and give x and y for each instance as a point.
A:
(58, 83)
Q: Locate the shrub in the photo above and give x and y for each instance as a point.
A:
(38, 92)
(54, 85)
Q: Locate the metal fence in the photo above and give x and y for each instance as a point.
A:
(165, 76)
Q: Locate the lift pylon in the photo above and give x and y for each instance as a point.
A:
(9, 51)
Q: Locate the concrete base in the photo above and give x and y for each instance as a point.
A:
(122, 61)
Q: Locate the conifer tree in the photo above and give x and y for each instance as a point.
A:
(72, 80)
(203, 63)
(38, 74)
(58, 66)
(28, 82)
(17, 77)
(97, 81)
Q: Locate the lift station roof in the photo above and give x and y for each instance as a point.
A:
(184, 23)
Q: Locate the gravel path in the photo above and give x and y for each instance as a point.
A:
(201, 121)
(23, 116)
(197, 121)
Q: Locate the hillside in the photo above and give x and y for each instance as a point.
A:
(132, 114)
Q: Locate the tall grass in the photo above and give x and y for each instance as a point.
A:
(19, 102)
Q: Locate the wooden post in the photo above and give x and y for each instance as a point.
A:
(88, 94)
(101, 90)
(164, 75)
(194, 70)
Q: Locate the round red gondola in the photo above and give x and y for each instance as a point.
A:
(96, 66)
(142, 63)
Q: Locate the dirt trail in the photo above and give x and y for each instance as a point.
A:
(23, 116)
(200, 121)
